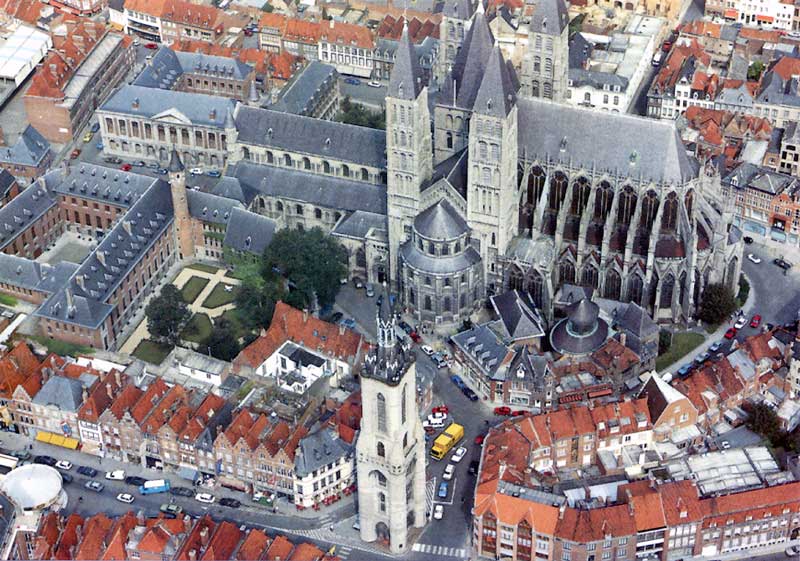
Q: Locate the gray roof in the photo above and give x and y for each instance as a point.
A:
(442, 264)
(304, 135)
(461, 86)
(405, 81)
(248, 231)
(328, 192)
(483, 346)
(777, 92)
(299, 95)
(497, 93)
(453, 170)
(458, 9)
(318, 450)
(440, 222)
(210, 208)
(29, 149)
(167, 66)
(230, 188)
(518, 314)
(580, 50)
(597, 79)
(359, 225)
(19, 271)
(64, 393)
(759, 178)
(636, 321)
(23, 210)
(581, 332)
(7, 181)
(100, 183)
(549, 16)
(643, 147)
(532, 366)
(150, 103)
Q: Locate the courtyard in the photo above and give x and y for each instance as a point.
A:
(70, 246)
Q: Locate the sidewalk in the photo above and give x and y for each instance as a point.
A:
(712, 337)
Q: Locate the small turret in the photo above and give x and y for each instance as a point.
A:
(175, 163)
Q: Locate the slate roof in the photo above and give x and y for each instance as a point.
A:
(7, 181)
(99, 183)
(443, 264)
(597, 79)
(248, 231)
(153, 103)
(454, 171)
(210, 208)
(581, 332)
(497, 93)
(458, 9)
(62, 392)
(329, 192)
(405, 81)
(359, 224)
(461, 86)
(23, 210)
(636, 320)
(777, 91)
(643, 147)
(318, 450)
(167, 66)
(29, 149)
(230, 188)
(305, 135)
(19, 271)
(533, 367)
(518, 314)
(549, 16)
(762, 179)
(440, 222)
(298, 95)
(483, 346)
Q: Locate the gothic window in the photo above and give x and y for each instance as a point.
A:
(381, 450)
(558, 190)
(445, 249)
(580, 196)
(605, 196)
(515, 279)
(381, 403)
(589, 276)
(306, 163)
(380, 477)
(566, 272)
(457, 248)
(427, 305)
(635, 288)
(486, 176)
(403, 405)
(402, 138)
(669, 218)
(649, 210)
(326, 167)
(613, 285)
(449, 139)
(448, 122)
(688, 201)
(627, 205)
(482, 153)
(382, 501)
(345, 170)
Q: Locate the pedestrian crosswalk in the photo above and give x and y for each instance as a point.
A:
(343, 552)
(430, 487)
(440, 550)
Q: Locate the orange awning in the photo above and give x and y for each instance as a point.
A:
(730, 13)
(765, 19)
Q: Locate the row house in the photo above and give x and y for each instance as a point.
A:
(347, 47)
(96, 403)
(713, 132)
(20, 370)
(324, 466)
(171, 21)
(85, 65)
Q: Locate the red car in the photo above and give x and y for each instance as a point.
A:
(151, 46)
(441, 409)
(756, 321)
(502, 410)
(125, 167)
(479, 439)
(730, 333)
(75, 153)
(518, 413)
(415, 336)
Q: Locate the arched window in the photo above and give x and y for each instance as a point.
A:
(589, 276)
(381, 403)
(317, 213)
(326, 167)
(494, 239)
(613, 285)
(431, 248)
(279, 206)
(457, 247)
(446, 304)
(449, 139)
(306, 163)
(514, 278)
(566, 272)
(381, 450)
(483, 150)
(270, 158)
(382, 501)
(364, 174)
(299, 210)
(245, 153)
(667, 290)
(537, 64)
(287, 160)
(635, 287)
(380, 477)
(345, 170)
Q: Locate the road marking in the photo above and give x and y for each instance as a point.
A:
(440, 550)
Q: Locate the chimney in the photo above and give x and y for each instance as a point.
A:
(127, 225)
(68, 295)
(140, 518)
(623, 338)
(305, 315)
(78, 533)
(110, 391)
(192, 555)
(84, 394)
(187, 523)
(101, 256)
(118, 378)
(204, 536)
(81, 280)
(341, 329)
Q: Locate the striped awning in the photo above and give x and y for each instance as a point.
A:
(57, 439)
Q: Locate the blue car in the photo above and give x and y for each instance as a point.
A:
(99, 145)
(349, 323)
(352, 81)
(442, 494)
(457, 381)
(213, 173)
(684, 370)
(95, 127)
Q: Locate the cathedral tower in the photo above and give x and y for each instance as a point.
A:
(545, 67)
(183, 220)
(409, 149)
(456, 17)
(390, 452)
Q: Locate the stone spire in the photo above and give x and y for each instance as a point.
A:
(230, 123)
(175, 163)
(253, 98)
(389, 359)
(497, 93)
(406, 79)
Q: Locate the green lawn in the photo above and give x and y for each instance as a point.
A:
(198, 329)
(62, 347)
(152, 351)
(203, 267)
(192, 289)
(682, 343)
(219, 296)
(7, 300)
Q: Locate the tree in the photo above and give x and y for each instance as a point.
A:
(222, 343)
(718, 303)
(166, 314)
(311, 261)
(664, 341)
(355, 114)
(254, 304)
(764, 421)
(755, 70)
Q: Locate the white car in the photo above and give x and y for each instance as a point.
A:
(196, 171)
(438, 512)
(458, 455)
(427, 350)
(434, 424)
(753, 258)
(116, 475)
(374, 84)
(126, 498)
(207, 498)
(449, 472)
(64, 465)
(741, 322)
(437, 417)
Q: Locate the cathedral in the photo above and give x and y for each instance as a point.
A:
(484, 181)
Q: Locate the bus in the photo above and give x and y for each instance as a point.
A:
(445, 441)
(154, 486)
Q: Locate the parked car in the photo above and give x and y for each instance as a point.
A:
(753, 258)
(374, 84)
(441, 409)
(196, 171)
(427, 349)
(126, 498)
(213, 173)
(171, 510)
(87, 471)
(415, 336)
(518, 413)
(471, 395)
(352, 81)
(135, 480)
(474, 466)
(357, 282)
(449, 472)
(456, 379)
(405, 327)
(748, 240)
(756, 321)
(442, 492)
(432, 424)
(479, 439)
(349, 323)
(230, 503)
(370, 290)
(161, 171)
(126, 167)
(99, 146)
(700, 359)
(458, 455)
(792, 551)
(785, 265)
(116, 475)
(434, 417)
(153, 165)
(87, 137)
(151, 46)
(207, 498)
(438, 512)
(66, 478)
(181, 491)
(139, 163)
(74, 154)
(95, 486)
(64, 465)
(112, 160)
(44, 460)
(715, 346)
(741, 321)
(502, 410)
(730, 333)
(684, 370)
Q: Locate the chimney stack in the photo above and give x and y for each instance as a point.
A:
(204, 536)
(623, 338)
(110, 391)
(187, 523)
(192, 555)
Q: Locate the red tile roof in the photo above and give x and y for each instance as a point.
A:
(418, 30)
(16, 367)
(94, 536)
(126, 399)
(101, 396)
(223, 543)
(149, 399)
(306, 552)
(280, 548)
(254, 546)
(115, 551)
(302, 31)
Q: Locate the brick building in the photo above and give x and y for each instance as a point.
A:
(28, 158)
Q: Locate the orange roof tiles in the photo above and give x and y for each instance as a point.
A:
(115, 551)
(306, 552)
(94, 536)
(123, 403)
(28, 11)
(165, 409)
(188, 13)
(418, 30)
(210, 406)
(670, 71)
(100, 397)
(347, 34)
(302, 31)
(223, 543)
(194, 541)
(16, 367)
(280, 548)
(149, 400)
(254, 546)
(290, 324)
(273, 21)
